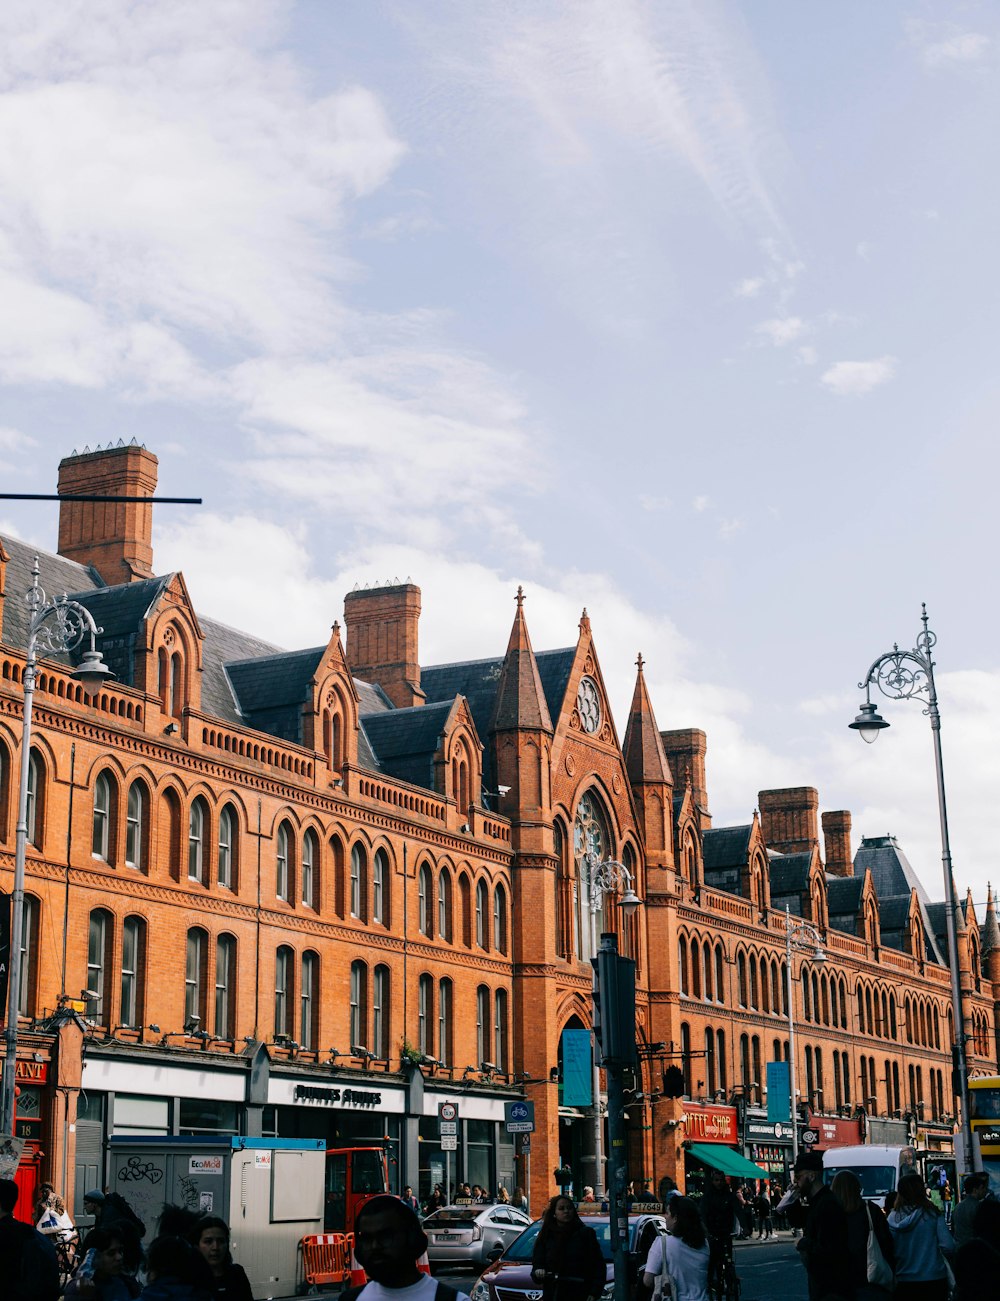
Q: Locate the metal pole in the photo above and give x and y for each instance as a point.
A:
(17, 901)
(595, 1051)
(793, 1115)
(951, 906)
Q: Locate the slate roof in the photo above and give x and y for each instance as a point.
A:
(843, 894)
(272, 689)
(726, 846)
(406, 740)
(55, 575)
(893, 877)
(790, 875)
(645, 757)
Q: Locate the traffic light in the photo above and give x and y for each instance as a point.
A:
(673, 1082)
(614, 1006)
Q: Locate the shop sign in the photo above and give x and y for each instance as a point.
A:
(711, 1124)
(519, 1117)
(778, 1131)
(364, 1098)
(262, 1160)
(26, 1072)
(205, 1165)
(835, 1133)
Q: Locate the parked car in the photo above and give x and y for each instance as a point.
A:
(460, 1235)
(509, 1277)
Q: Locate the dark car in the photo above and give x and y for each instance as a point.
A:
(462, 1235)
(509, 1277)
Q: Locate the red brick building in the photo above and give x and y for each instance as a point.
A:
(259, 869)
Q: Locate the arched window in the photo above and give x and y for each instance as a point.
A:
(359, 883)
(444, 905)
(101, 831)
(590, 837)
(720, 1058)
(741, 978)
(424, 908)
(380, 1012)
(686, 1058)
(194, 977)
(133, 970)
(359, 1005)
(308, 1000)
(482, 913)
(720, 974)
(228, 825)
(283, 863)
(425, 1015)
(36, 799)
(197, 819)
(710, 1083)
(500, 1030)
(500, 919)
(380, 888)
(27, 991)
(339, 891)
(465, 909)
(136, 827)
(682, 964)
(170, 830)
(483, 1025)
(225, 987)
(707, 954)
(445, 1012)
(745, 1061)
(284, 975)
(807, 1007)
(4, 791)
(753, 981)
(310, 860)
(98, 965)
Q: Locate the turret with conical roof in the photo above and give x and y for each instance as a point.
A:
(649, 775)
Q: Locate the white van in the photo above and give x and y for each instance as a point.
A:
(878, 1167)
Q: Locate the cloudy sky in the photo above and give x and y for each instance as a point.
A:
(681, 310)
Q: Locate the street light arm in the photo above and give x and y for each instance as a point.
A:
(903, 674)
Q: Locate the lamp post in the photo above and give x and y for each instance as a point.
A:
(70, 622)
(799, 937)
(903, 675)
(603, 877)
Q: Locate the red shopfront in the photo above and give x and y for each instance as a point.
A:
(833, 1131)
(709, 1130)
(30, 1078)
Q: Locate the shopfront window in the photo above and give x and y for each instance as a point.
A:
(208, 1116)
(480, 1164)
(135, 1114)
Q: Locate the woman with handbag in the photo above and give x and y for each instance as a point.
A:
(677, 1264)
(567, 1259)
(869, 1240)
(922, 1241)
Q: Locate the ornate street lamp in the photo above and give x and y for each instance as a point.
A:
(55, 626)
(904, 675)
(604, 877)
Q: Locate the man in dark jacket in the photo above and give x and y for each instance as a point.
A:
(29, 1268)
(720, 1209)
(823, 1244)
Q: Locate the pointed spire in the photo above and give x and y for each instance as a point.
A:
(645, 757)
(520, 700)
(991, 929)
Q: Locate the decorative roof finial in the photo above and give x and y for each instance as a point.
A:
(520, 596)
(639, 662)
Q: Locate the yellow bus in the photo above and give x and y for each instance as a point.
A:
(984, 1115)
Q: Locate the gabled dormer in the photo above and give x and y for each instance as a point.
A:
(584, 710)
(756, 882)
(819, 913)
(689, 860)
(330, 717)
(458, 761)
(649, 776)
(168, 658)
(869, 920)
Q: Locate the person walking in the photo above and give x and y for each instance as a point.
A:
(974, 1191)
(520, 1199)
(229, 1280)
(762, 1213)
(567, 1259)
(28, 1268)
(682, 1253)
(823, 1245)
(922, 1242)
(409, 1200)
(388, 1243)
(978, 1259)
(720, 1209)
(862, 1219)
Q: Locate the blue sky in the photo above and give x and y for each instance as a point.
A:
(682, 311)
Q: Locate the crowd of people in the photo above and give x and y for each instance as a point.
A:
(188, 1259)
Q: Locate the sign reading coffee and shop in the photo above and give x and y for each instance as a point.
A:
(711, 1125)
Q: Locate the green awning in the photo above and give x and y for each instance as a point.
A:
(726, 1160)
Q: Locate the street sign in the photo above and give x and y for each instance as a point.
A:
(448, 1126)
(810, 1137)
(524, 1144)
(447, 1111)
(519, 1117)
(449, 1142)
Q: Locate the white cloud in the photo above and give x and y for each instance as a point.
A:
(750, 287)
(781, 330)
(957, 49)
(855, 378)
(807, 355)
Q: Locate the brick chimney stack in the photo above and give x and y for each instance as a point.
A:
(788, 819)
(116, 538)
(837, 838)
(382, 626)
(685, 748)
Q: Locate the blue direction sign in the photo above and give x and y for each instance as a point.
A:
(519, 1117)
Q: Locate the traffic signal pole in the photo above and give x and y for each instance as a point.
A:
(616, 1033)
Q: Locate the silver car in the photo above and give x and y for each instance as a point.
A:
(459, 1235)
